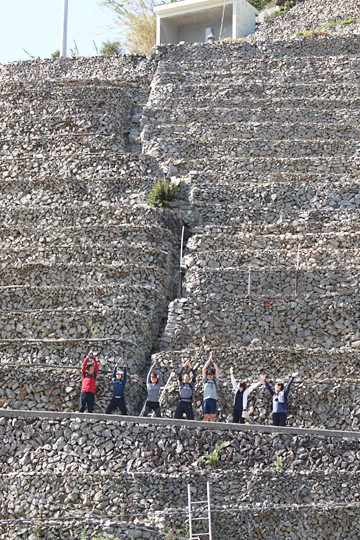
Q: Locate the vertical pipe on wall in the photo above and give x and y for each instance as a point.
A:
(64, 25)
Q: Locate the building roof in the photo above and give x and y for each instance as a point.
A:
(184, 6)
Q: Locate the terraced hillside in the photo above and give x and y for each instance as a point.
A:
(263, 139)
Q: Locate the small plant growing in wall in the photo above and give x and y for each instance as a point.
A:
(210, 458)
(37, 531)
(277, 464)
(178, 533)
(162, 193)
(93, 329)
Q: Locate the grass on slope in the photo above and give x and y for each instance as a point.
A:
(321, 31)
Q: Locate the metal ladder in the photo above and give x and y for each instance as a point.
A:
(207, 518)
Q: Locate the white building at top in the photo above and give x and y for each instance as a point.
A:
(193, 20)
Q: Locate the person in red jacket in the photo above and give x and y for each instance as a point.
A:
(88, 378)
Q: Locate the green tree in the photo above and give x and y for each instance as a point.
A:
(137, 23)
(110, 48)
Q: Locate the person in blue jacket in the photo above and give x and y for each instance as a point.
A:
(279, 405)
(119, 381)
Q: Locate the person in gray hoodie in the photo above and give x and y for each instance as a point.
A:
(153, 388)
(279, 405)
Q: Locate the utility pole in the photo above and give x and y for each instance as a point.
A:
(64, 25)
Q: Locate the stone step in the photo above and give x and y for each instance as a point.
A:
(124, 68)
(143, 298)
(66, 145)
(302, 195)
(203, 243)
(88, 252)
(185, 113)
(265, 282)
(114, 236)
(29, 191)
(257, 131)
(254, 107)
(56, 388)
(275, 257)
(283, 56)
(212, 92)
(289, 72)
(312, 50)
(124, 323)
(109, 168)
(290, 222)
(240, 218)
(232, 165)
(87, 216)
(249, 361)
(329, 322)
(215, 147)
(53, 354)
(80, 275)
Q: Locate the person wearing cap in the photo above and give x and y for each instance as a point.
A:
(241, 395)
(210, 381)
(89, 373)
(118, 400)
(186, 387)
(153, 388)
(279, 404)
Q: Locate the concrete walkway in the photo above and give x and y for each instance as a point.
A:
(5, 413)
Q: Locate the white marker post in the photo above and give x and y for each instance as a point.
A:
(297, 270)
(249, 282)
(181, 258)
(64, 26)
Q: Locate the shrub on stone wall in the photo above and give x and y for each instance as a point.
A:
(162, 193)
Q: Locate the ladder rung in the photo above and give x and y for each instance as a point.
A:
(197, 519)
(199, 502)
(200, 534)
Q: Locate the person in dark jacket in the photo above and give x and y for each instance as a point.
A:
(153, 387)
(279, 405)
(241, 395)
(88, 379)
(186, 387)
(118, 400)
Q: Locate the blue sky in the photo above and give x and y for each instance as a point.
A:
(35, 25)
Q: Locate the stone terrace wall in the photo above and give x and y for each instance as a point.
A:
(112, 468)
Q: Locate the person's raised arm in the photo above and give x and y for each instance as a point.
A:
(114, 373)
(96, 367)
(148, 379)
(83, 367)
(287, 389)
(193, 373)
(125, 375)
(268, 387)
(206, 365)
(217, 372)
(181, 371)
(233, 380)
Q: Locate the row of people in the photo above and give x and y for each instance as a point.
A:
(186, 381)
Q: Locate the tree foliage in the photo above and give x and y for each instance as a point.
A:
(137, 23)
(110, 48)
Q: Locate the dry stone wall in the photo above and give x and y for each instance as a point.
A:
(84, 260)
(104, 469)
